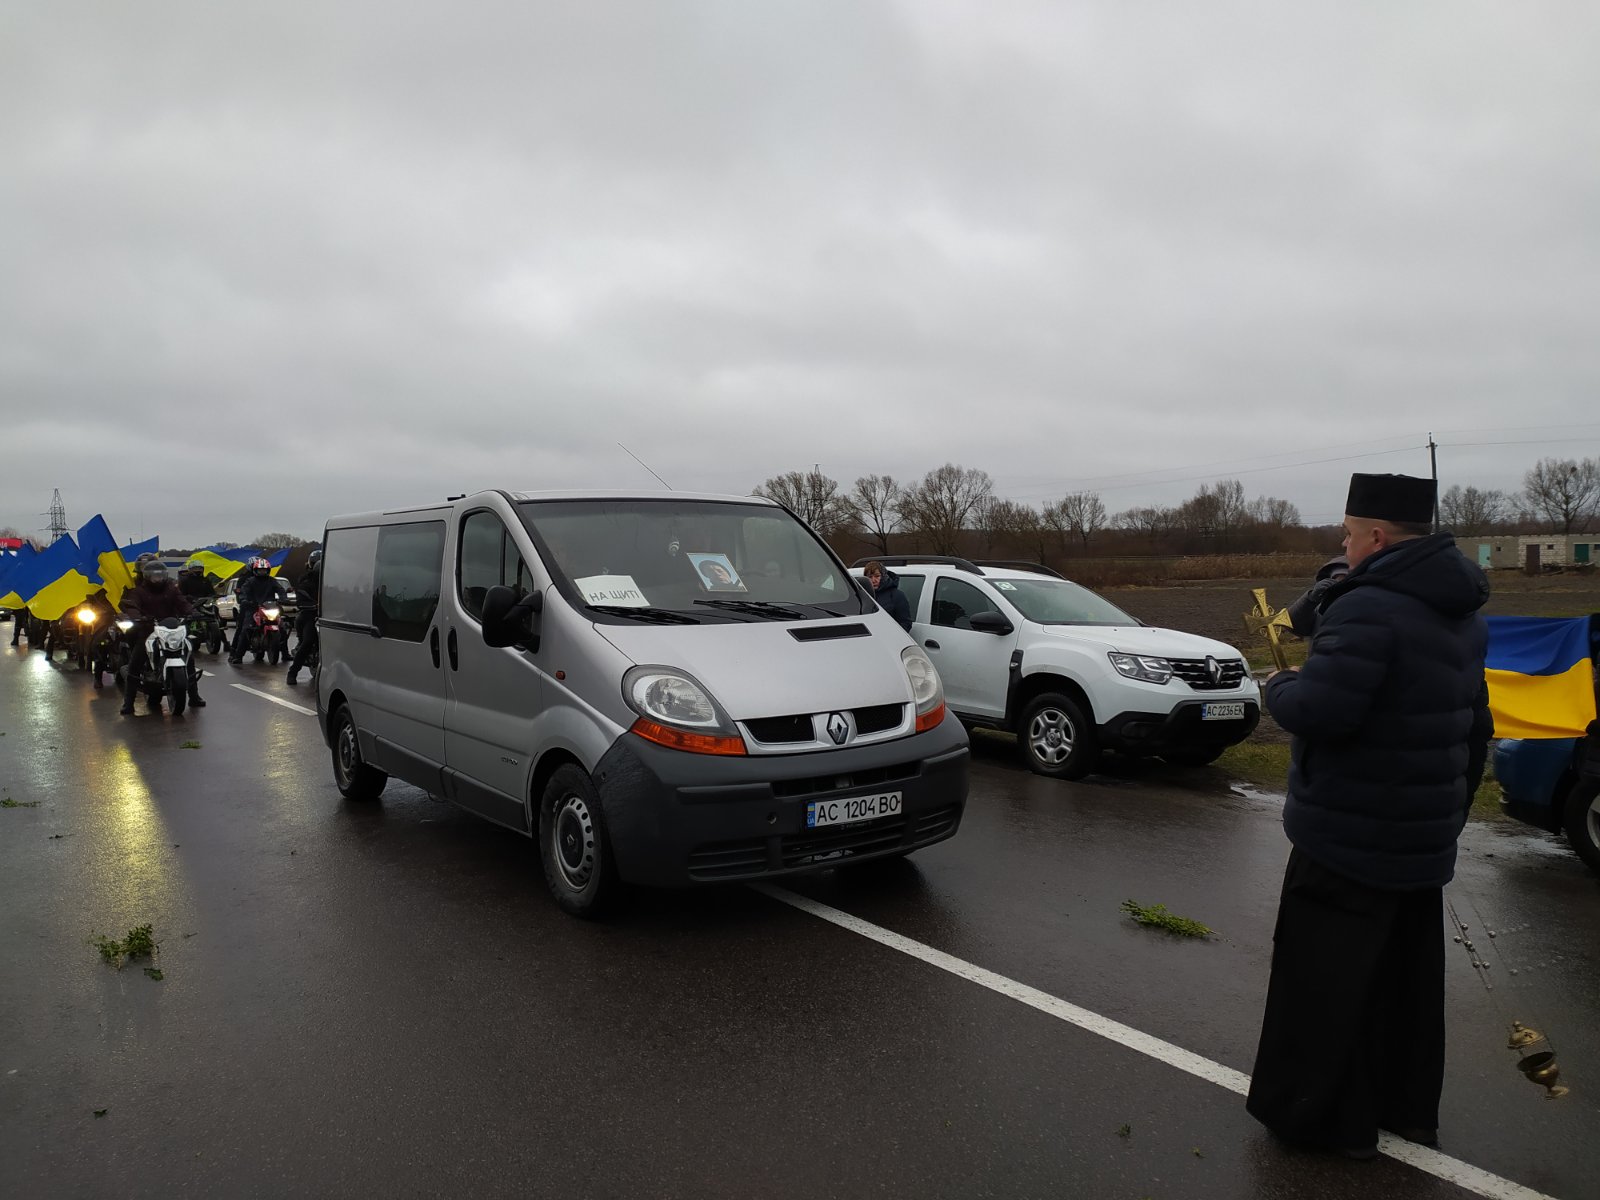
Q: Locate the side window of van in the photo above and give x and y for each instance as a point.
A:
(488, 557)
(405, 591)
(347, 557)
(956, 602)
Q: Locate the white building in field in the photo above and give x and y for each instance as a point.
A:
(1532, 551)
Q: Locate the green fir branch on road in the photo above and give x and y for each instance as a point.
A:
(8, 802)
(140, 943)
(1157, 916)
(189, 746)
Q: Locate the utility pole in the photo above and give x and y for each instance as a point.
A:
(1433, 462)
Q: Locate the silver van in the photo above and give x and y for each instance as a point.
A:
(661, 689)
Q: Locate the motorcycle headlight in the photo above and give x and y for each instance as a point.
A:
(1142, 667)
(85, 615)
(270, 614)
(676, 711)
(926, 689)
(124, 624)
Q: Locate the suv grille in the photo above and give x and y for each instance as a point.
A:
(1193, 672)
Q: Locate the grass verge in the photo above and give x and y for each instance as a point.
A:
(1267, 764)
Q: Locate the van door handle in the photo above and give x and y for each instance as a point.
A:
(931, 644)
(433, 644)
(450, 644)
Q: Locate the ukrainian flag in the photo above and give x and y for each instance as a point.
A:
(132, 550)
(103, 560)
(216, 565)
(10, 570)
(1541, 676)
(59, 581)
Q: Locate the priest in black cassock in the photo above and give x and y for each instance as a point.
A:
(1390, 724)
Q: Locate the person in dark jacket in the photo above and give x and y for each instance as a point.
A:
(154, 599)
(1390, 724)
(310, 589)
(192, 581)
(255, 589)
(886, 591)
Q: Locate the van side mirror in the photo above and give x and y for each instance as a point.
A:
(508, 621)
(990, 622)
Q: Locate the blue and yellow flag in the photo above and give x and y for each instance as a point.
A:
(102, 559)
(132, 550)
(10, 566)
(1541, 676)
(58, 580)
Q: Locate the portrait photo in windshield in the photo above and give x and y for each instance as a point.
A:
(717, 574)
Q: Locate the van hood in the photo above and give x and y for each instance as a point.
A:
(1143, 639)
(760, 670)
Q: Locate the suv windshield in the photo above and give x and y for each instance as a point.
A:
(700, 560)
(1058, 602)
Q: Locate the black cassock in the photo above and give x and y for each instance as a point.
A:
(1353, 1036)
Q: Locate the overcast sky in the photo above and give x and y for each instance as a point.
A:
(264, 263)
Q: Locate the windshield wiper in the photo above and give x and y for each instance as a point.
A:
(756, 608)
(658, 616)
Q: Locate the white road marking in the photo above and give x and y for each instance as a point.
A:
(299, 708)
(1440, 1166)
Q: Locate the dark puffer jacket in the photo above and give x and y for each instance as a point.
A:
(1390, 717)
(893, 600)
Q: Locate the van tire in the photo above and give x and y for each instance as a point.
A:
(573, 847)
(354, 778)
(1580, 820)
(1057, 739)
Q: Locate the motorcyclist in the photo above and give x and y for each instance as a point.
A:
(255, 589)
(154, 599)
(192, 581)
(305, 628)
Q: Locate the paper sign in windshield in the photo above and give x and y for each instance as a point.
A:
(612, 589)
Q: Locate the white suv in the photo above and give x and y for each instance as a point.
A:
(1020, 648)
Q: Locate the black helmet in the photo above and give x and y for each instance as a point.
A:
(314, 558)
(143, 561)
(155, 573)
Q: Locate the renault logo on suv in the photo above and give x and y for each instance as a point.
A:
(1213, 671)
(838, 728)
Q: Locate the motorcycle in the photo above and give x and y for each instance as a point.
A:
(84, 633)
(266, 636)
(205, 626)
(170, 657)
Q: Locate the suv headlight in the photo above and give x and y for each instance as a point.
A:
(1142, 667)
(677, 712)
(926, 689)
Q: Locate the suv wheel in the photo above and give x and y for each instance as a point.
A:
(1581, 820)
(1057, 738)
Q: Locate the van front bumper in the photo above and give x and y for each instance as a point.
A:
(677, 818)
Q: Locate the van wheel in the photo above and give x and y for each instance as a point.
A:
(354, 778)
(1581, 821)
(1057, 738)
(573, 847)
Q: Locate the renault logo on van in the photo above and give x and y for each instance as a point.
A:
(838, 728)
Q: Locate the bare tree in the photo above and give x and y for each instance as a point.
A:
(875, 501)
(813, 497)
(277, 541)
(1006, 521)
(1082, 514)
(1273, 513)
(1566, 493)
(1148, 520)
(945, 503)
(1472, 510)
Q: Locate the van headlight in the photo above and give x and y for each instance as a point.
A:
(1142, 667)
(677, 712)
(926, 690)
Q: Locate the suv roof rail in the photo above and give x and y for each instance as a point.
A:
(1018, 565)
(905, 560)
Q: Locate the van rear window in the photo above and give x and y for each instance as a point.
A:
(406, 582)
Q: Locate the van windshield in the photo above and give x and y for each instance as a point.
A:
(689, 561)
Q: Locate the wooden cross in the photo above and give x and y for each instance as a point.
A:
(1264, 618)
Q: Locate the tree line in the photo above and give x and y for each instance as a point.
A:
(954, 510)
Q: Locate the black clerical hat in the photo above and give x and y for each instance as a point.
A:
(1404, 499)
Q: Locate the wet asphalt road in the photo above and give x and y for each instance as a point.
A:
(366, 1000)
